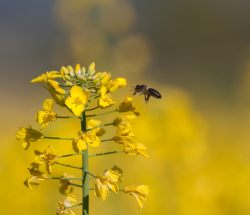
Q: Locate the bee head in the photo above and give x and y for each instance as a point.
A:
(139, 88)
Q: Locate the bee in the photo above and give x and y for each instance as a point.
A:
(143, 89)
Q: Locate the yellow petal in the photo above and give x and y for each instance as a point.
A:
(69, 102)
(113, 187)
(76, 91)
(101, 189)
(139, 192)
(139, 200)
(77, 110)
(112, 175)
(79, 145)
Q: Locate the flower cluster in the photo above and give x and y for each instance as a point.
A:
(82, 91)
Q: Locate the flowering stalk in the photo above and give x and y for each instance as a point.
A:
(76, 90)
(85, 163)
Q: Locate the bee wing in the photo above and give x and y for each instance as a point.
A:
(154, 93)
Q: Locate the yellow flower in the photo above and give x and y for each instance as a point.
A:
(135, 149)
(106, 99)
(46, 76)
(84, 140)
(66, 187)
(124, 134)
(47, 115)
(116, 84)
(27, 135)
(139, 192)
(127, 105)
(105, 183)
(77, 100)
(63, 207)
(33, 182)
(47, 157)
(94, 124)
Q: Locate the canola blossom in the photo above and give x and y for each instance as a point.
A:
(85, 94)
(47, 115)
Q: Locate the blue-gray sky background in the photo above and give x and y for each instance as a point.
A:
(200, 46)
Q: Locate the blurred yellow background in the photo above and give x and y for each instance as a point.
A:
(195, 53)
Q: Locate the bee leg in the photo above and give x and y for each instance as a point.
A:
(147, 97)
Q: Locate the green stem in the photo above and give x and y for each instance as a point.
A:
(96, 97)
(104, 153)
(75, 185)
(107, 140)
(68, 165)
(108, 124)
(66, 117)
(68, 155)
(57, 138)
(61, 177)
(85, 180)
(90, 109)
(91, 174)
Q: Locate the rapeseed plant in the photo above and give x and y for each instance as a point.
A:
(75, 89)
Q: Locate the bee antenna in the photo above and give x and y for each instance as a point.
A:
(132, 88)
